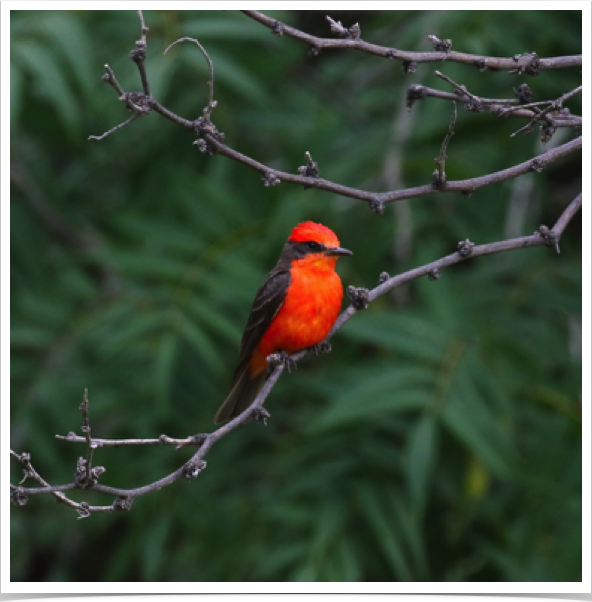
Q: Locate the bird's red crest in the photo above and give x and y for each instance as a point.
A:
(317, 232)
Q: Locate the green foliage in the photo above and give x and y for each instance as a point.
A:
(440, 440)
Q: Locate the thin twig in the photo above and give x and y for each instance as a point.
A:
(196, 440)
(462, 89)
(84, 409)
(439, 176)
(139, 54)
(114, 129)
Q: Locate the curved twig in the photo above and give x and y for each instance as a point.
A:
(212, 103)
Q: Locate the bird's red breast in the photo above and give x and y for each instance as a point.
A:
(295, 308)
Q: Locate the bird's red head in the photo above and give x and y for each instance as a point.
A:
(307, 231)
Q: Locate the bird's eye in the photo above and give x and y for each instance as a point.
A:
(314, 246)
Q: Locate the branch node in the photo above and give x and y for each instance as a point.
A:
(549, 236)
(278, 28)
(480, 64)
(360, 297)
(465, 248)
(123, 503)
(384, 276)
(409, 67)
(138, 102)
(270, 179)
(199, 439)
(440, 45)
(537, 165)
(415, 92)
(311, 169)
(25, 457)
(352, 33)
(83, 510)
(439, 179)
(474, 106)
(523, 93)
(204, 147)
(207, 133)
(377, 206)
(434, 274)
(261, 414)
(547, 131)
(533, 67)
(138, 54)
(192, 469)
(18, 497)
(85, 478)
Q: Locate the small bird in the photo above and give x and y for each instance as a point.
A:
(295, 308)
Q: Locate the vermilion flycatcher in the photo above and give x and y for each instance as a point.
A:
(294, 309)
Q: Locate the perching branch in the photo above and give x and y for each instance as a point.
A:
(361, 298)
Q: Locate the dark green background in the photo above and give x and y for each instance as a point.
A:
(440, 440)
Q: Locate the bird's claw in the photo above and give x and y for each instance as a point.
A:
(281, 358)
(322, 347)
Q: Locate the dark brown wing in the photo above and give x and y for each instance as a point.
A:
(268, 301)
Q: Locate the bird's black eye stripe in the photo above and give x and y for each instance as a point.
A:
(314, 246)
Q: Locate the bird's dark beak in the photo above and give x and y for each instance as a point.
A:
(338, 251)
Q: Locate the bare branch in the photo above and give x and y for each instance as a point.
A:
(211, 141)
(501, 107)
(19, 495)
(196, 440)
(465, 186)
(526, 63)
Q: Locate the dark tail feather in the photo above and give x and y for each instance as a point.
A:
(243, 393)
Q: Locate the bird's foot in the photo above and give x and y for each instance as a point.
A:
(261, 414)
(281, 358)
(322, 347)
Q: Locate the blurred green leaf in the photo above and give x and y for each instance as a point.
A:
(397, 391)
(421, 452)
(49, 81)
(382, 524)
